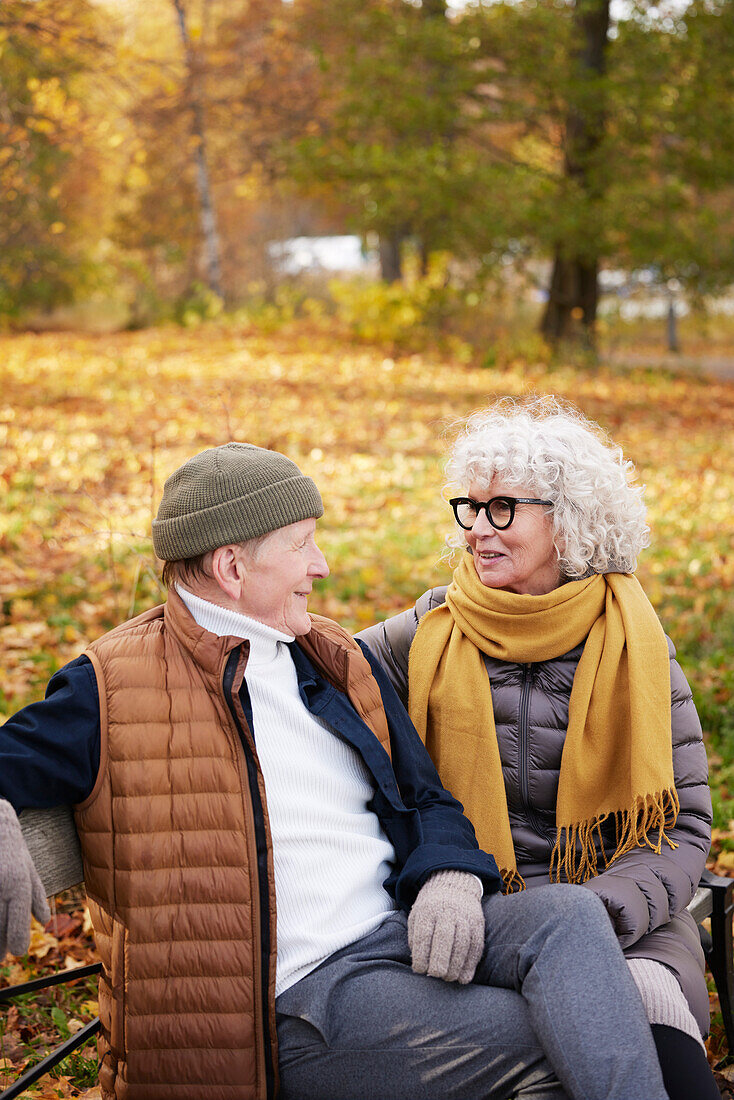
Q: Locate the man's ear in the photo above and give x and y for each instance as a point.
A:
(229, 571)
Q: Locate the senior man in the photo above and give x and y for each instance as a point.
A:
(276, 876)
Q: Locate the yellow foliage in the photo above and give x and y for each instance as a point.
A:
(725, 864)
(91, 426)
(41, 942)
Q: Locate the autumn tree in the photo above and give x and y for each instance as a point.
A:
(672, 203)
(392, 140)
(218, 87)
(537, 129)
(159, 225)
(617, 140)
(194, 99)
(52, 217)
(573, 289)
(647, 154)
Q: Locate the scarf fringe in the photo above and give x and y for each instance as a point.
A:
(574, 857)
(512, 881)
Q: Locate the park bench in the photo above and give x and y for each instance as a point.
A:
(54, 846)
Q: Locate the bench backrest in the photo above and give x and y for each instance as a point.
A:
(52, 840)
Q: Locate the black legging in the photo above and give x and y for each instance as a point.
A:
(686, 1072)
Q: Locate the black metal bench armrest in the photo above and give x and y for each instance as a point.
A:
(715, 899)
(68, 1046)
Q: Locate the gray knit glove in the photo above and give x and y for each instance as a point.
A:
(446, 926)
(21, 890)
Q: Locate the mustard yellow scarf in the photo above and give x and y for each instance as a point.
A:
(617, 757)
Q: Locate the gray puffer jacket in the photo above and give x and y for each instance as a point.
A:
(645, 894)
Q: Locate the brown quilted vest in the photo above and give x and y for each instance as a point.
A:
(178, 861)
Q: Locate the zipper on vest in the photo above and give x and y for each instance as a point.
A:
(528, 676)
(262, 863)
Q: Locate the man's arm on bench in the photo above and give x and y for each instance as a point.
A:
(53, 843)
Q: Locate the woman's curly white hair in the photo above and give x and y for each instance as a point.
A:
(550, 450)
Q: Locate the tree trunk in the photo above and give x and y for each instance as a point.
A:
(572, 302)
(671, 327)
(425, 235)
(573, 292)
(207, 213)
(391, 265)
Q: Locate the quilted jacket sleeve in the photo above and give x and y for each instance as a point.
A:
(389, 642)
(642, 890)
(385, 643)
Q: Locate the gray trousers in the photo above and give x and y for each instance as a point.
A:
(552, 1013)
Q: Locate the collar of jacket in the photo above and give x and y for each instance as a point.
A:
(208, 650)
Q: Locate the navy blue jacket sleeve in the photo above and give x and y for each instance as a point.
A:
(447, 839)
(49, 751)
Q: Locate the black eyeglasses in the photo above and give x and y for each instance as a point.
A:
(500, 511)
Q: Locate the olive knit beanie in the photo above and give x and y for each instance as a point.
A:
(230, 494)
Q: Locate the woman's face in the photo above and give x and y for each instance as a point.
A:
(522, 558)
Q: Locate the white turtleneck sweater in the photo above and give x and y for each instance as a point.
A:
(330, 853)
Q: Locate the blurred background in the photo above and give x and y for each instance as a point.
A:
(564, 167)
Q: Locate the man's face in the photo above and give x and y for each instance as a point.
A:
(280, 578)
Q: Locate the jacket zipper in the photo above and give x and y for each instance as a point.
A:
(528, 675)
(261, 847)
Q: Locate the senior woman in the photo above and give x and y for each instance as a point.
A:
(551, 702)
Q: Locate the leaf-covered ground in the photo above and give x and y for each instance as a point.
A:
(91, 426)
